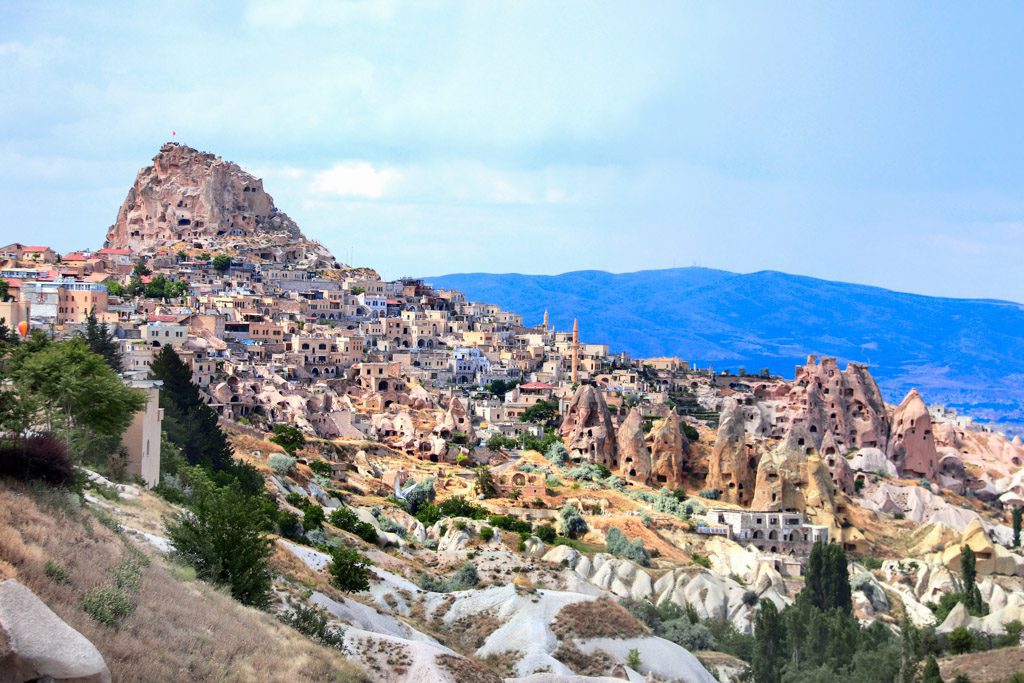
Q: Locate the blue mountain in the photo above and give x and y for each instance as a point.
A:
(965, 353)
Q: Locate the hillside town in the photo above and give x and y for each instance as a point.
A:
(742, 475)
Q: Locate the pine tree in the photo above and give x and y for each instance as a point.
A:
(769, 634)
(931, 671)
(102, 342)
(908, 651)
(189, 422)
(1018, 513)
(827, 583)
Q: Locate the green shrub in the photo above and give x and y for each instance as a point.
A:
(347, 520)
(421, 494)
(313, 518)
(222, 537)
(960, 641)
(108, 604)
(510, 523)
(701, 560)
(349, 570)
(572, 523)
(322, 467)
(57, 573)
(281, 464)
(486, 533)
(617, 544)
(633, 659)
(312, 621)
(546, 533)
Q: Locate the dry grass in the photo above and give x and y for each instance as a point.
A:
(597, 663)
(596, 619)
(466, 670)
(179, 631)
(993, 666)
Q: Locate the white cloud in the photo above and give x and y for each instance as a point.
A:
(355, 179)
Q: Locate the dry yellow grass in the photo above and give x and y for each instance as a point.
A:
(179, 631)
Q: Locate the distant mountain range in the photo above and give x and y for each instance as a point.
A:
(965, 353)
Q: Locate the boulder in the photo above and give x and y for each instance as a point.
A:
(36, 644)
(873, 460)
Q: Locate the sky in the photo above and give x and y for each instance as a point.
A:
(879, 143)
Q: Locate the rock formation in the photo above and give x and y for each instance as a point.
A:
(847, 404)
(793, 477)
(199, 200)
(669, 449)
(634, 456)
(732, 466)
(912, 445)
(587, 428)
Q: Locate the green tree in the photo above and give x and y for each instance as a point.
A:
(909, 655)
(189, 422)
(349, 570)
(571, 522)
(288, 437)
(102, 342)
(827, 582)
(485, 483)
(769, 655)
(72, 387)
(221, 263)
(5, 291)
(222, 537)
(141, 269)
(971, 594)
(541, 412)
(1018, 513)
(931, 671)
(960, 641)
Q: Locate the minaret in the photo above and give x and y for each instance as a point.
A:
(575, 350)
(545, 320)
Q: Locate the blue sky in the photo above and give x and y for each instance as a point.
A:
(880, 143)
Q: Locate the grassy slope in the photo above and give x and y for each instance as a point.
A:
(181, 629)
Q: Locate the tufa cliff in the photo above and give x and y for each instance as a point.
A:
(197, 200)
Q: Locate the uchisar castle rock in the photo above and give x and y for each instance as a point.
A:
(724, 482)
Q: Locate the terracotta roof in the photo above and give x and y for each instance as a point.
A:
(535, 385)
(126, 252)
(36, 249)
(74, 256)
(152, 318)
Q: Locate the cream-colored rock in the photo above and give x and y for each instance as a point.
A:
(588, 430)
(36, 644)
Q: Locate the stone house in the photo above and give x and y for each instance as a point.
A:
(773, 532)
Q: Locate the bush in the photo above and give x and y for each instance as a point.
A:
(43, 458)
(313, 518)
(464, 578)
(711, 494)
(420, 494)
(222, 538)
(556, 453)
(499, 441)
(281, 464)
(57, 573)
(960, 641)
(689, 634)
(322, 467)
(485, 483)
(457, 506)
(349, 570)
(633, 659)
(546, 533)
(588, 471)
(288, 437)
(617, 544)
(510, 523)
(429, 514)
(108, 604)
(486, 533)
(572, 523)
(312, 621)
(701, 560)
(347, 520)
